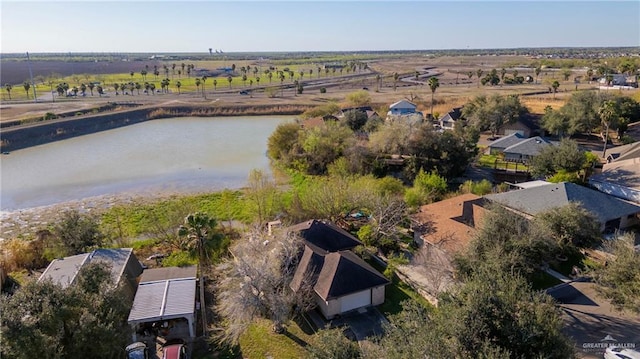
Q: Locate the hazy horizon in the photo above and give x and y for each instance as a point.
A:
(307, 26)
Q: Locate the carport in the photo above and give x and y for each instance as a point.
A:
(164, 301)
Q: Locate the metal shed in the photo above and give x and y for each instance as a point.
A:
(163, 300)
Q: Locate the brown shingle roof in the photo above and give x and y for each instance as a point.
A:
(450, 224)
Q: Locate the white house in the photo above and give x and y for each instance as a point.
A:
(402, 107)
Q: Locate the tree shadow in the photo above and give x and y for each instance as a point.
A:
(296, 339)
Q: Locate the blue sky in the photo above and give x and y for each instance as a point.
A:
(195, 26)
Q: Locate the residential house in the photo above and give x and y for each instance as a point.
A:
(448, 121)
(624, 152)
(612, 213)
(525, 150)
(165, 302)
(442, 229)
(499, 145)
(124, 266)
(620, 178)
(341, 280)
(402, 107)
(526, 126)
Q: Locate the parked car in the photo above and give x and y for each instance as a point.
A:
(244, 92)
(137, 350)
(621, 353)
(175, 349)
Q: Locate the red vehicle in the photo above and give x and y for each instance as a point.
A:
(174, 351)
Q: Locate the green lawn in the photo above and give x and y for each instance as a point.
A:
(492, 161)
(261, 342)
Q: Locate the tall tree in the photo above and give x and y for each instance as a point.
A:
(91, 85)
(537, 71)
(178, 85)
(555, 86)
(215, 84)
(26, 86)
(204, 81)
(479, 73)
(619, 280)
(608, 112)
(230, 79)
(396, 76)
(198, 228)
(434, 83)
(8, 87)
(44, 320)
(255, 283)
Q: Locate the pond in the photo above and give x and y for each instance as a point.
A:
(181, 155)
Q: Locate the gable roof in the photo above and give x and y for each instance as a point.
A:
(507, 141)
(325, 235)
(63, 271)
(530, 146)
(453, 115)
(538, 199)
(403, 104)
(451, 223)
(624, 174)
(624, 152)
(336, 274)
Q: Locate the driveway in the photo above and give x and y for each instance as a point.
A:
(361, 323)
(592, 322)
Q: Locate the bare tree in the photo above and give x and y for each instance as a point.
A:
(255, 282)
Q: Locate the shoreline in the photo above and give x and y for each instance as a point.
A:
(26, 222)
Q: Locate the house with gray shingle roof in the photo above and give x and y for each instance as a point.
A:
(612, 213)
(341, 280)
(620, 179)
(500, 144)
(448, 121)
(526, 149)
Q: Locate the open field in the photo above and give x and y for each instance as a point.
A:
(456, 88)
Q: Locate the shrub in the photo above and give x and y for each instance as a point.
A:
(49, 116)
(323, 90)
(179, 259)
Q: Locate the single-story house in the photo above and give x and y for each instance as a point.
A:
(499, 145)
(620, 179)
(125, 267)
(526, 126)
(402, 107)
(612, 213)
(341, 280)
(448, 121)
(525, 150)
(167, 297)
(624, 152)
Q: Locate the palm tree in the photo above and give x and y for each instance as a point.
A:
(301, 74)
(378, 78)
(198, 84)
(479, 74)
(152, 88)
(131, 73)
(318, 72)
(200, 231)
(178, 84)
(608, 112)
(244, 80)
(395, 80)
(502, 73)
(147, 86)
(83, 89)
(91, 85)
(144, 75)
(270, 75)
(138, 87)
(100, 90)
(230, 79)
(434, 83)
(204, 80)
(8, 87)
(26, 86)
(537, 71)
(257, 80)
(555, 86)
(215, 84)
(116, 87)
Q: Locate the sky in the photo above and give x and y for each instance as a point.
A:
(266, 26)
